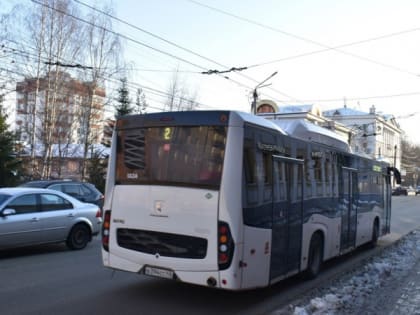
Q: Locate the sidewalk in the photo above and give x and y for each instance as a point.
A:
(408, 301)
(387, 284)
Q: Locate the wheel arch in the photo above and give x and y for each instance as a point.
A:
(316, 229)
(82, 221)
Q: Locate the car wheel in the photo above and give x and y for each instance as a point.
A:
(78, 237)
(314, 256)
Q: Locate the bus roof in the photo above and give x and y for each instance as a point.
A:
(295, 128)
(302, 129)
(195, 118)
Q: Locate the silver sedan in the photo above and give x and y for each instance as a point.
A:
(31, 216)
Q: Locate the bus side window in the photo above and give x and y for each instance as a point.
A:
(250, 173)
(250, 166)
(279, 181)
(267, 176)
(328, 175)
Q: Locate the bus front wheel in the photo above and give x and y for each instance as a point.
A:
(314, 256)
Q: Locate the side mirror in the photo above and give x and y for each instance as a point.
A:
(396, 173)
(7, 212)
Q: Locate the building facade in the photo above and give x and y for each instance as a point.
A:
(58, 109)
(58, 119)
(374, 134)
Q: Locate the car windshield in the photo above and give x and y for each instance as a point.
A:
(4, 197)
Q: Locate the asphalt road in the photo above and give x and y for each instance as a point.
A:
(54, 280)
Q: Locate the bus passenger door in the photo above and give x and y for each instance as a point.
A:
(349, 202)
(287, 216)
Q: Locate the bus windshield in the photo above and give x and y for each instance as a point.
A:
(175, 155)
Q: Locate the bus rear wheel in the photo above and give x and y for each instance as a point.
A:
(314, 256)
(375, 235)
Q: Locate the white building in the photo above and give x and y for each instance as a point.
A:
(374, 134)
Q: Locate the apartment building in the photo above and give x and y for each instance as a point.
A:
(58, 109)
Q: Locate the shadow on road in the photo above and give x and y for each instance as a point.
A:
(33, 250)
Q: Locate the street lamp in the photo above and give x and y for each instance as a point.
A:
(255, 94)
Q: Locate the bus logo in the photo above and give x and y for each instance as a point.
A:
(158, 210)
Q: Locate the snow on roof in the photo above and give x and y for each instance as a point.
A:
(295, 109)
(302, 129)
(260, 120)
(344, 111)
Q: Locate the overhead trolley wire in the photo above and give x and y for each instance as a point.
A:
(205, 71)
(326, 47)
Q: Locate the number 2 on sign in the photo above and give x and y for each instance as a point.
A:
(167, 133)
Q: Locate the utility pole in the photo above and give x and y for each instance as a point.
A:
(255, 94)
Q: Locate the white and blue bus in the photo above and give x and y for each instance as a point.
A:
(232, 200)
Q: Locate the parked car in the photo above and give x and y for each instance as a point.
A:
(85, 192)
(32, 216)
(399, 191)
(418, 190)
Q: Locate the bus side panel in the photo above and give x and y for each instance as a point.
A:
(256, 257)
(230, 203)
(365, 227)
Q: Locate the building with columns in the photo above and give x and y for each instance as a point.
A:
(374, 134)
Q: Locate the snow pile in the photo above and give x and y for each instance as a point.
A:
(353, 291)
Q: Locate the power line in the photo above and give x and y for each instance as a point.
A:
(327, 47)
(78, 66)
(145, 45)
(365, 97)
(163, 39)
(218, 72)
(363, 41)
(120, 35)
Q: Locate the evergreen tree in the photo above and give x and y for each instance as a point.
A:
(9, 164)
(97, 169)
(124, 102)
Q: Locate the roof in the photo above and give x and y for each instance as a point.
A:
(288, 109)
(18, 190)
(344, 111)
(302, 129)
(45, 183)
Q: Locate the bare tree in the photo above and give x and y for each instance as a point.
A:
(141, 103)
(102, 48)
(49, 40)
(178, 97)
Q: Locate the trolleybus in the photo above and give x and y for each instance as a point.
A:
(231, 200)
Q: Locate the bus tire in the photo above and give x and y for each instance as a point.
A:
(79, 236)
(316, 249)
(375, 234)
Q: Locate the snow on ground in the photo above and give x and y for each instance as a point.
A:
(352, 292)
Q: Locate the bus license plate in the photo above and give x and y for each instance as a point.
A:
(157, 272)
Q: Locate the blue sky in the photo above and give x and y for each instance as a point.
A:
(382, 69)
